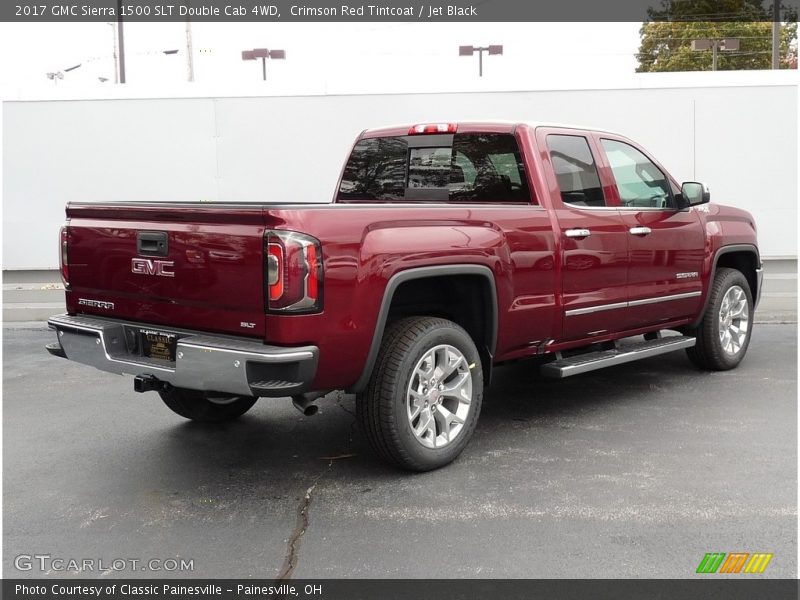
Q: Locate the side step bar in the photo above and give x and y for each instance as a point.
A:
(591, 361)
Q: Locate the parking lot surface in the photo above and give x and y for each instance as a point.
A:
(634, 471)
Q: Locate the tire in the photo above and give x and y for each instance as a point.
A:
(714, 350)
(206, 407)
(412, 353)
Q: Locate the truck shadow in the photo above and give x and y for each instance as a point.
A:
(275, 437)
(518, 389)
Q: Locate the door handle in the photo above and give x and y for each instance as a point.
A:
(577, 233)
(640, 231)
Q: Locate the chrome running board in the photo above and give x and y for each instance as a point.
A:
(591, 361)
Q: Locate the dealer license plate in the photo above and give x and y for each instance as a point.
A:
(159, 345)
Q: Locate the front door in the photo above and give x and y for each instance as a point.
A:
(666, 245)
(594, 244)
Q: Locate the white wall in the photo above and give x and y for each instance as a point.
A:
(740, 139)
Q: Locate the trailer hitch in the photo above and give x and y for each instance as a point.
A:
(149, 383)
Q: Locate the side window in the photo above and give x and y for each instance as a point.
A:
(575, 170)
(640, 183)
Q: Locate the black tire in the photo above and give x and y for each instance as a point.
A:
(382, 406)
(708, 353)
(206, 407)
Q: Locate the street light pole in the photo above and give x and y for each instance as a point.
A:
(189, 51)
(715, 45)
(470, 50)
(114, 40)
(263, 54)
(776, 34)
(121, 42)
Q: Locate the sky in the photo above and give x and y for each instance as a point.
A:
(321, 57)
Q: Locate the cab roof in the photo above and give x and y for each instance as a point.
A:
(473, 127)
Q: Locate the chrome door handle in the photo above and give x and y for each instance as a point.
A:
(577, 233)
(640, 231)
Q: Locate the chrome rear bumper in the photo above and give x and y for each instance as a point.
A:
(202, 361)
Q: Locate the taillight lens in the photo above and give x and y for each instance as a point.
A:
(293, 272)
(63, 255)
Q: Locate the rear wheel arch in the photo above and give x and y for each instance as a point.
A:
(479, 319)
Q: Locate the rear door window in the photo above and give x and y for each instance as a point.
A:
(469, 167)
(575, 170)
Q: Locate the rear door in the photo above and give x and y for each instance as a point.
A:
(666, 245)
(594, 239)
(185, 266)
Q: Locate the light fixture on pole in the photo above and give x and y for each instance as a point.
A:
(263, 54)
(56, 75)
(715, 45)
(494, 50)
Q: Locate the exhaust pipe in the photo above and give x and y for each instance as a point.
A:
(305, 402)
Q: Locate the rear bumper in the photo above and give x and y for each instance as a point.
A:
(202, 362)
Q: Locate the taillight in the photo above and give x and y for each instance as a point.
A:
(293, 272)
(63, 255)
(433, 128)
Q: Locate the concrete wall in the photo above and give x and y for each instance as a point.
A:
(740, 139)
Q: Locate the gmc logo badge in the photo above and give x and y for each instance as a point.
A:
(149, 266)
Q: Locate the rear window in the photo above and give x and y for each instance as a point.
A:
(468, 167)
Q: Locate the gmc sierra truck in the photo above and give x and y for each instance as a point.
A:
(449, 248)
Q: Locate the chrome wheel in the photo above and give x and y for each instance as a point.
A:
(439, 396)
(734, 320)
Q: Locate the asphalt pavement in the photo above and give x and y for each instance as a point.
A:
(633, 471)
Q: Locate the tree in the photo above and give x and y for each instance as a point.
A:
(667, 38)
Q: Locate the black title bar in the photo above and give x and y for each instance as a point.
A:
(705, 587)
(240, 11)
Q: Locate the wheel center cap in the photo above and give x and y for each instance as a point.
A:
(434, 396)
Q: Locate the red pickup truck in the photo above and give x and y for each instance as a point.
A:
(449, 248)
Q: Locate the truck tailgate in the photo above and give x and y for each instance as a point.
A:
(186, 266)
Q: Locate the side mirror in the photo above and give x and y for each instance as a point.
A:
(695, 193)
